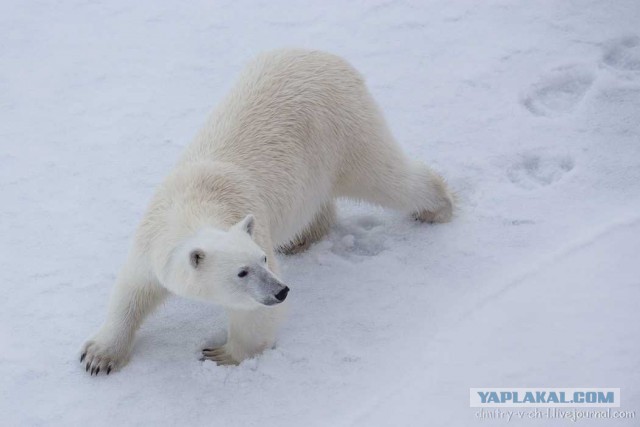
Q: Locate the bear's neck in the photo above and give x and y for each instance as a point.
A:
(217, 194)
(198, 195)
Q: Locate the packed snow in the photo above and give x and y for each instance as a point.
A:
(531, 110)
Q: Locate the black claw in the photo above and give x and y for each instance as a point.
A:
(206, 349)
(87, 368)
(97, 371)
(108, 370)
(93, 370)
(83, 356)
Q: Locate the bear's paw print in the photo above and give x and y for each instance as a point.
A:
(360, 236)
(623, 54)
(558, 92)
(534, 171)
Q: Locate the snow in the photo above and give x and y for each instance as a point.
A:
(531, 110)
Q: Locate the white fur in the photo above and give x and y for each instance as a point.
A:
(298, 130)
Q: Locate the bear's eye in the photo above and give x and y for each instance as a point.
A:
(243, 273)
(264, 259)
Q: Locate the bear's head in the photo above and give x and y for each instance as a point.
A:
(228, 267)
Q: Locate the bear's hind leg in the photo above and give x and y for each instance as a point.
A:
(438, 201)
(384, 176)
(318, 228)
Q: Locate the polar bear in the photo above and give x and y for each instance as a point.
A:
(298, 130)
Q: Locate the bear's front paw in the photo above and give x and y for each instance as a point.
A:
(102, 357)
(220, 355)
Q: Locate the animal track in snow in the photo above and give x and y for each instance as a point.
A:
(534, 171)
(560, 91)
(623, 54)
(360, 236)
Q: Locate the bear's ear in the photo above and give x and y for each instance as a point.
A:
(195, 257)
(247, 224)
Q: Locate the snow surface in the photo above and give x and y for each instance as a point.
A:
(530, 109)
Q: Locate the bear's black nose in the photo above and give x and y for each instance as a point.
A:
(280, 296)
